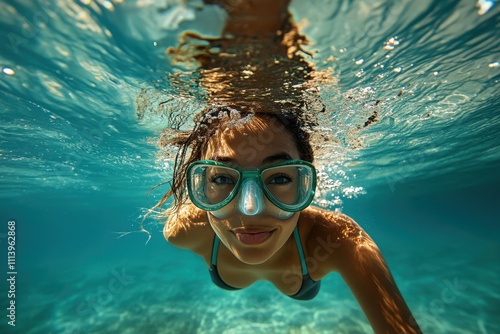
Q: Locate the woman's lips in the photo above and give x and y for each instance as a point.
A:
(253, 238)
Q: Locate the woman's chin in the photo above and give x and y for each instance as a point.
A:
(252, 259)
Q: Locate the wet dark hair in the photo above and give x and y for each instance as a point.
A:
(192, 144)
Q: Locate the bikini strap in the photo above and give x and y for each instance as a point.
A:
(302, 257)
(215, 250)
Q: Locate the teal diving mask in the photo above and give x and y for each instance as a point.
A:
(289, 185)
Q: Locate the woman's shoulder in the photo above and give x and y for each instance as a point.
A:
(321, 221)
(330, 236)
(187, 227)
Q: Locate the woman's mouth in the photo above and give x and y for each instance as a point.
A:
(253, 238)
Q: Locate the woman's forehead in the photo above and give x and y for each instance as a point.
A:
(250, 142)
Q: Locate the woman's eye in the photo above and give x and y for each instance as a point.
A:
(280, 179)
(221, 179)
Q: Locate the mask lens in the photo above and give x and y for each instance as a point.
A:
(290, 187)
(211, 187)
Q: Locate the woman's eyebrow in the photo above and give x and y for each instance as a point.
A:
(223, 159)
(276, 157)
(267, 161)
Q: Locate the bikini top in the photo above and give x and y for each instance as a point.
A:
(308, 290)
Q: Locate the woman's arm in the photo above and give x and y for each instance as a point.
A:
(357, 258)
(367, 275)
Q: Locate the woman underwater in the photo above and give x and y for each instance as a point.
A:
(243, 179)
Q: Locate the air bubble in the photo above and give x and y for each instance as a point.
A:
(484, 6)
(8, 71)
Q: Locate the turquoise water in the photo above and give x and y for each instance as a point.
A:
(77, 164)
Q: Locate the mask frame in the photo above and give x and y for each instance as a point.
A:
(306, 178)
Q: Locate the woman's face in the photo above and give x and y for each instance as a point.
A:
(253, 239)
